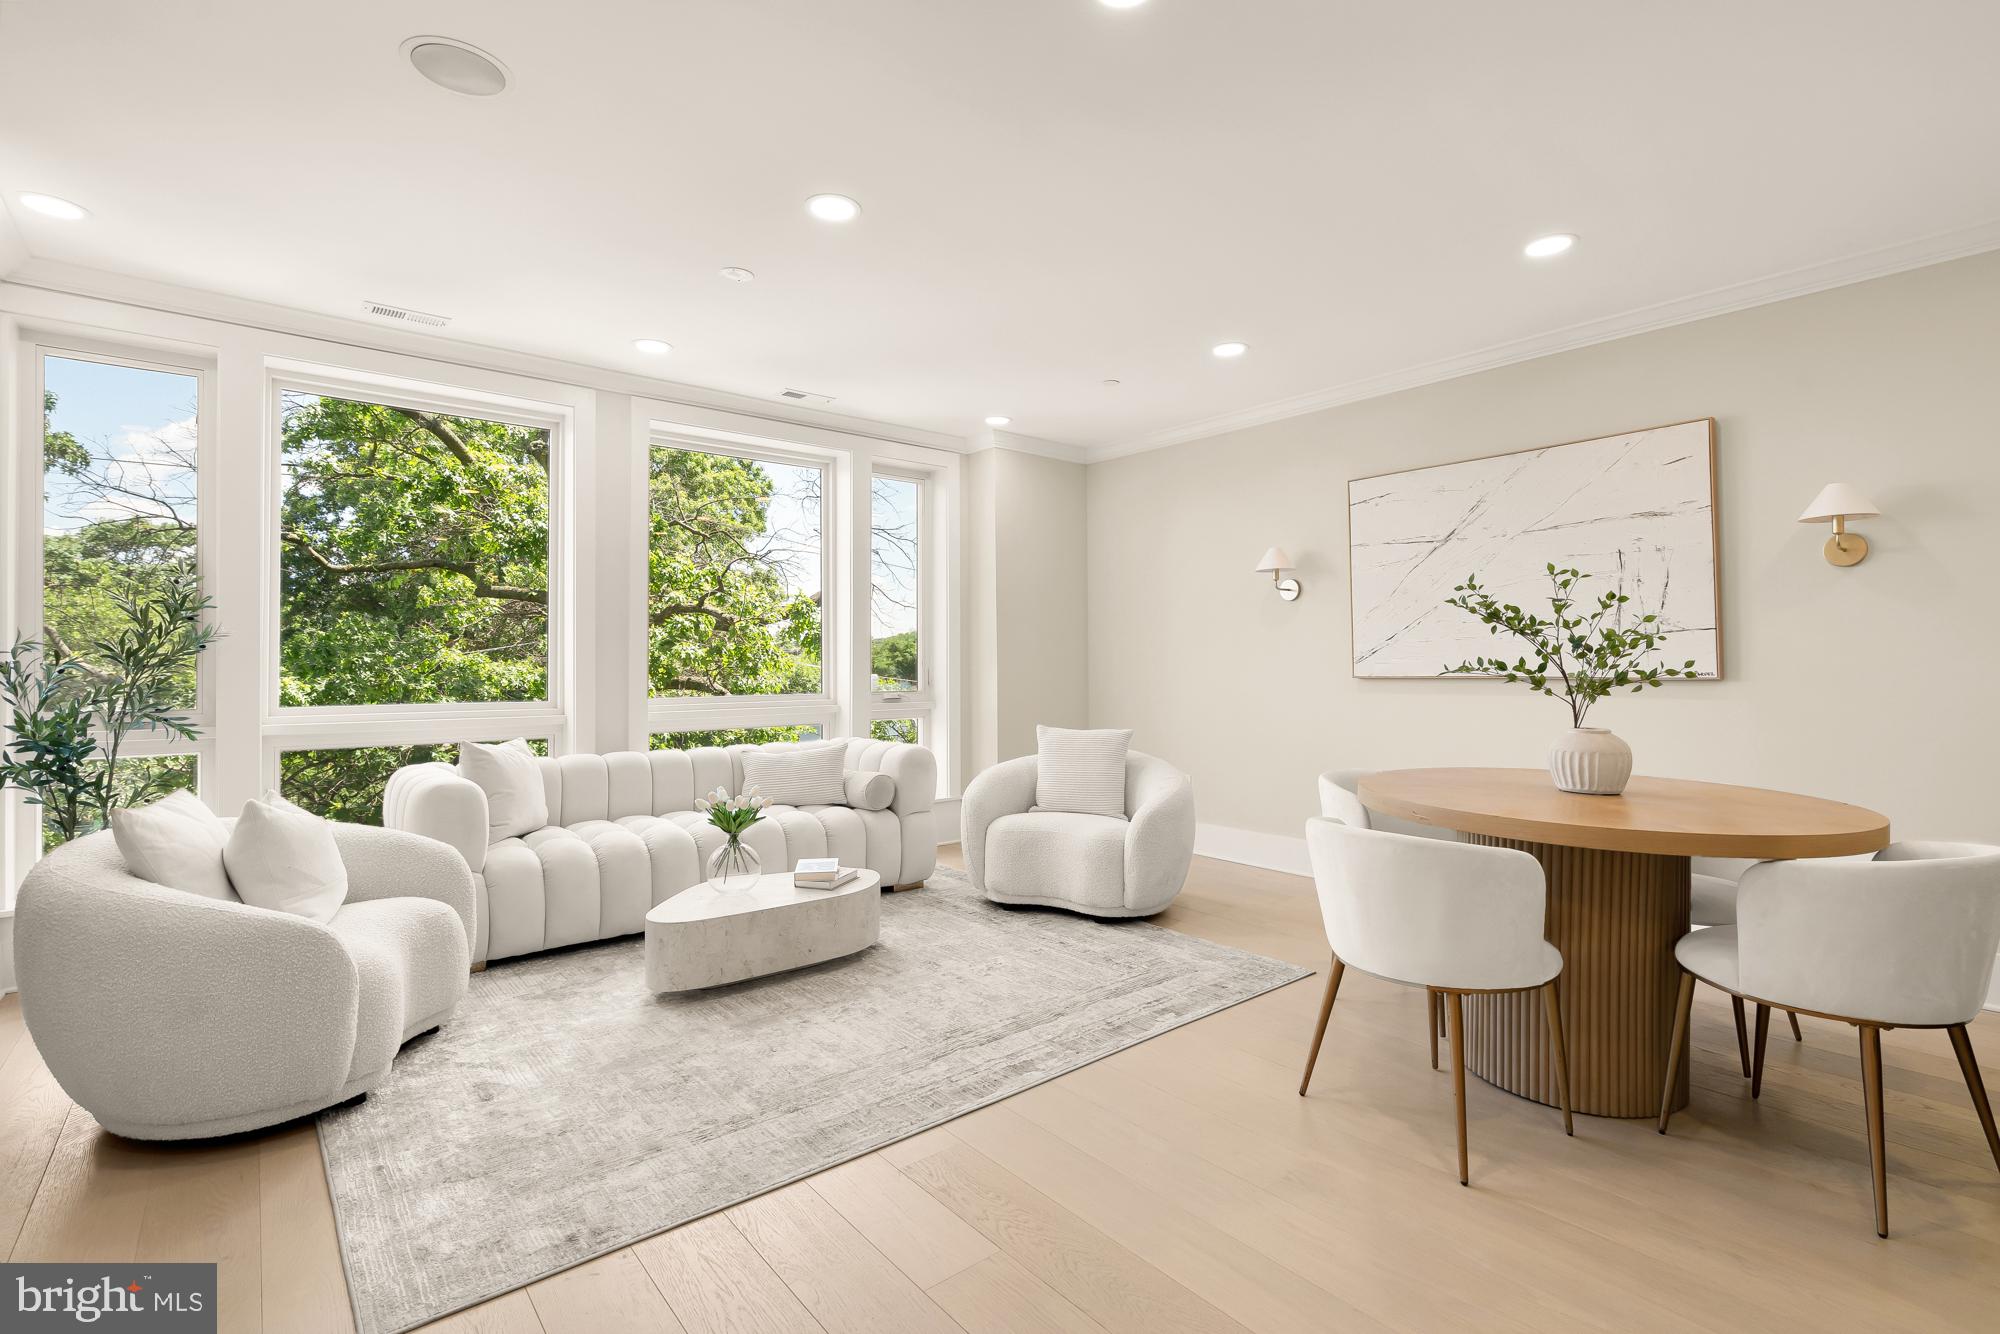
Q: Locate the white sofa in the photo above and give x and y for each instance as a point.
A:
(623, 834)
(167, 1015)
(1091, 864)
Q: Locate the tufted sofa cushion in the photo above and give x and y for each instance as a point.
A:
(623, 835)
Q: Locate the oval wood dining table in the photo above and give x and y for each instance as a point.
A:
(1617, 872)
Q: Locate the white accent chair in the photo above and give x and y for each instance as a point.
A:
(1903, 941)
(1452, 918)
(168, 1016)
(1091, 864)
(623, 834)
(1712, 898)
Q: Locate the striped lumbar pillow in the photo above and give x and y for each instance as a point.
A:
(1081, 771)
(808, 776)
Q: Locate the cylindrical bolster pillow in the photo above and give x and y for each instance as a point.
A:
(869, 791)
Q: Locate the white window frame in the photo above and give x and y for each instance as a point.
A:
(674, 713)
(361, 726)
(24, 563)
(918, 704)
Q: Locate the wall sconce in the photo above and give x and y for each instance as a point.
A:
(1277, 562)
(1838, 503)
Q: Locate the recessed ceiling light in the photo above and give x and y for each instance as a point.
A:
(1121, 4)
(458, 66)
(998, 421)
(53, 207)
(652, 346)
(1230, 349)
(833, 208)
(736, 275)
(1110, 384)
(1547, 247)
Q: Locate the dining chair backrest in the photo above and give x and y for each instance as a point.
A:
(1907, 938)
(1339, 799)
(1424, 911)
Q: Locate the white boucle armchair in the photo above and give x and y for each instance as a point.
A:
(1090, 864)
(170, 1016)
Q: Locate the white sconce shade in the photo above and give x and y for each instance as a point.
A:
(1836, 503)
(1274, 560)
(1839, 500)
(1275, 563)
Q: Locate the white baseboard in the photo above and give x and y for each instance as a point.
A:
(1248, 847)
(1282, 852)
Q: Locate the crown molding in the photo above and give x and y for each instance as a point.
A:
(1936, 249)
(1028, 444)
(101, 285)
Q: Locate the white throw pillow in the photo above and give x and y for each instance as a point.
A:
(285, 859)
(1081, 771)
(869, 791)
(808, 776)
(177, 842)
(516, 801)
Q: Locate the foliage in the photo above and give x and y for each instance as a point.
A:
(894, 661)
(1575, 652)
(71, 716)
(732, 815)
(894, 729)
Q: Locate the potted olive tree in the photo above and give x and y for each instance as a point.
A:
(1578, 654)
(69, 713)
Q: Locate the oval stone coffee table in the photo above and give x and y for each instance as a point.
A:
(702, 937)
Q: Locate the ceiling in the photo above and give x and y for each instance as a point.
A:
(1055, 193)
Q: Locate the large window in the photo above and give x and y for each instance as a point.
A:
(414, 586)
(736, 575)
(120, 473)
(415, 556)
(895, 568)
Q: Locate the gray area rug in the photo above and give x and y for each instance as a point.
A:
(567, 1111)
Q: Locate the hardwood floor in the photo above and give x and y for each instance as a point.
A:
(1183, 1185)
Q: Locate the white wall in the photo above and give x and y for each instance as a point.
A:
(1866, 684)
(1025, 611)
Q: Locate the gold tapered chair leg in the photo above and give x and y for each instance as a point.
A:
(1325, 1013)
(1871, 1091)
(1796, 1035)
(1757, 1061)
(1682, 1004)
(1436, 1023)
(1560, 1052)
(1455, 1017)
(1742, 1035)
(1975, 1084)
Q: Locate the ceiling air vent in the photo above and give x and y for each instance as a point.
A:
(801, 396)
(404, 315)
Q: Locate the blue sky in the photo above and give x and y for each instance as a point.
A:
(120, 413)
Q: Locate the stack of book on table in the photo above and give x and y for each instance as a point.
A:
(822, 873)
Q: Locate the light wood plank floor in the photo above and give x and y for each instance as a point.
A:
(1183, 1185)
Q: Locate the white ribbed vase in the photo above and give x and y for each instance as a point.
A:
(1590, 760)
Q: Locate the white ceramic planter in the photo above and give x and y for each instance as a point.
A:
(1590, 760)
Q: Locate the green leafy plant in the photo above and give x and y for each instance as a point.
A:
(1575, 655)
(69, 715)
(732, 815)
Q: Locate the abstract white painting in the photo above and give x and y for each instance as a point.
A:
(1636, 512)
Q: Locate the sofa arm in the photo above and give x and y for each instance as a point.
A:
(435, 801)
(154, 1007)
(913, 767)
(1008, 788)
(396, 864)
(1159, 844)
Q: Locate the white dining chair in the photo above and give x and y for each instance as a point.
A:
(1903, 941)
(1340, 799)
(1712, 899)
(1453, 918)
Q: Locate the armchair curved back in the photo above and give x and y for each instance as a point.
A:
(1907, 938)
(1424, 911)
